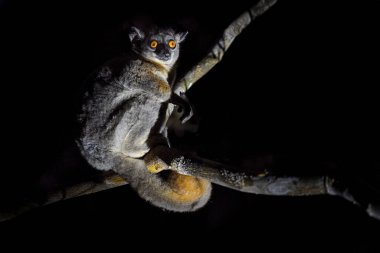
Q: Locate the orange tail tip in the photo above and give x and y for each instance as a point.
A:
(187, 189)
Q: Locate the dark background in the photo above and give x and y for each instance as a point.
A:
(297, 90)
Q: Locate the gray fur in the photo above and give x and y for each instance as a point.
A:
(124, 115)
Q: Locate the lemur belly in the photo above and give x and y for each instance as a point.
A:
(138, 123)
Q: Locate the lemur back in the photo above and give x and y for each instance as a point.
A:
(124, 115)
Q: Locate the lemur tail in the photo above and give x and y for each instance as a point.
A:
(168, 190)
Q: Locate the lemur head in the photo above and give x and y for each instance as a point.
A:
(158, 45)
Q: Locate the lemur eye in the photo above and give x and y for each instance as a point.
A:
(172, 44)
(153, 44)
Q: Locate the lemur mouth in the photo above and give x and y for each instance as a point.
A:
(164, 58)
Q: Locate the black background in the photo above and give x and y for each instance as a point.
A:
(299, 86)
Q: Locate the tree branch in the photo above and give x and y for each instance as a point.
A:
(261, 182)
(355, 190)
(217, 52)
(102, 182)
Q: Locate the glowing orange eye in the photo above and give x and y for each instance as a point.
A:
(172, 44)
(153, 44)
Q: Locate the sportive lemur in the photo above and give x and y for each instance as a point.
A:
(125, 109)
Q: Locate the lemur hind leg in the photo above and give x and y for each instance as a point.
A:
(153, 159)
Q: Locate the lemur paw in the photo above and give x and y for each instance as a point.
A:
(155, 164)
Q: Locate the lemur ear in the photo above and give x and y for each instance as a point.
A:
(181, 36)
(136, 33)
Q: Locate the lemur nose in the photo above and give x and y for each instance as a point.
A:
(167, 54)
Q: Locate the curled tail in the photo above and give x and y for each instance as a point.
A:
(175, 192)
(168, 189)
